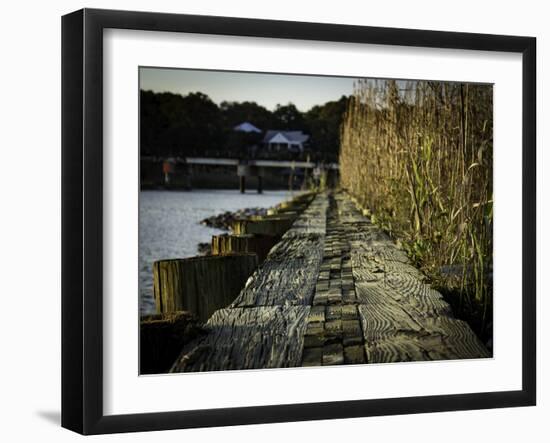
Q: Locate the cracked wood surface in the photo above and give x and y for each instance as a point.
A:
(248, 338)
(289, 273)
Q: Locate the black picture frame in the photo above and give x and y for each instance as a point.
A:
(82, 219)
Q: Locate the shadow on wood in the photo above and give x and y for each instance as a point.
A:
(162, 337)
(255, 244)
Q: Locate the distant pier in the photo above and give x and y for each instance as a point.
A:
(188, 172)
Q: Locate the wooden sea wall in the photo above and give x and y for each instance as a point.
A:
(334, 290)
(201, 285)
(191, 290)
(259, 234)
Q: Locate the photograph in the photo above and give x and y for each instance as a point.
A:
(292, 221)
(255, 222)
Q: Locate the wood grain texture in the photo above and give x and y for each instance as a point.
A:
(200, 284)
(335, 290)
(248, 338)
(287, 276)
(289, 273)
(255, 244)
(392, 335)
(404, 319)
(264, 327)
(313, 219)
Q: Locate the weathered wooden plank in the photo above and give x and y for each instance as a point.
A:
(426, 301)
(397, 306)
(454, 342)
(402, 288)
(289, 273)
(248, 338)
(381, 314)
(287, 276)
(312, 220)
(397, 329)
(458, 337)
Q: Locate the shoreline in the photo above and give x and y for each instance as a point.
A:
(179, 231)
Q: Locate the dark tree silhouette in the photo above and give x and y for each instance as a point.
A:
(235, 113)
(323, 123)
(172, 125)
(288, 117)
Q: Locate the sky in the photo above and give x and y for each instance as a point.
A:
(268, 90)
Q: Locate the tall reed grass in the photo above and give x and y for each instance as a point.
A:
(419, 156)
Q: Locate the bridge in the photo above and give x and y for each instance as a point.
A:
(250, 167)
(257, 163)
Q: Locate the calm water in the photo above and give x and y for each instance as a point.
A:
(169, 226)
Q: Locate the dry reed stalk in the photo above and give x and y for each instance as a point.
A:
(419, 156)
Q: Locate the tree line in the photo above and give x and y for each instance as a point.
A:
(174, 125)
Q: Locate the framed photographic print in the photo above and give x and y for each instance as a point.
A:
(269, 221)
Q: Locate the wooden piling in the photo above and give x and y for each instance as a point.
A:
(201, 285)
(242, 184)
(275, 226)
(161, 338)
(254, 244)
